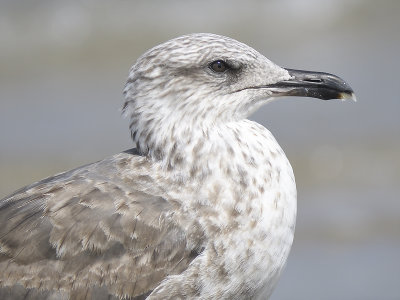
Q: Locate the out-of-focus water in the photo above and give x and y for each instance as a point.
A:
(62, 71)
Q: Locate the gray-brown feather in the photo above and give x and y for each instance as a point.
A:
(102, 229)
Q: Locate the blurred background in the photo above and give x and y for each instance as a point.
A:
(63, 65)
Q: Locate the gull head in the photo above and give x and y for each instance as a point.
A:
(199, 80)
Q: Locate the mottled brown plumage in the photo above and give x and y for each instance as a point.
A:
(90, 230)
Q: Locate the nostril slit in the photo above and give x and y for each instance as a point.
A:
(313, 80)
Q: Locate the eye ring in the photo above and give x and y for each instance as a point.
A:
(219, 66)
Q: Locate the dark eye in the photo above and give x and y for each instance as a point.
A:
(219, 66)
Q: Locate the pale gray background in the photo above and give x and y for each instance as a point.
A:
(63, 66)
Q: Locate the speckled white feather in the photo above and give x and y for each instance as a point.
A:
(235, 179)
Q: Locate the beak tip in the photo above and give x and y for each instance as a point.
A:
(348, 96)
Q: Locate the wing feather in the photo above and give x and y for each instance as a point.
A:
(104, 228)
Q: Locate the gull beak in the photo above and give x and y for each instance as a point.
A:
(313, 84)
